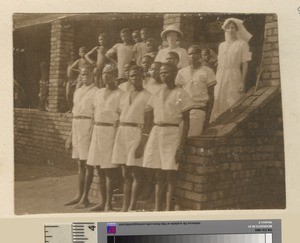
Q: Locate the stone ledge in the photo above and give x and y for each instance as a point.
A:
(229, 122)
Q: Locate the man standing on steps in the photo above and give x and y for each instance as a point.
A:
(198, 81)
(80, 136)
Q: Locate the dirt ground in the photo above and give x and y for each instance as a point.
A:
(42, 189)
(45, 189)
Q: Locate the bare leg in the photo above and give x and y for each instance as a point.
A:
(84, 202)
(127, 184)
(171, 179)
(147, 183)
(81, 178)
(102, 190)
(111, 178)
(137, 179)
(159, 189)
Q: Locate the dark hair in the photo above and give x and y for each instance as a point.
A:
(145, 29)
(174, 54)
(136, 32)
(157, 63)
(103, 35)
(89, 68)
(136, 68)
(83, 48)
(173, 67)
(196, 48)
(131, 63)
(206, 50)
(125, 30)
(151, 40)
(147, 56)
(232, 22)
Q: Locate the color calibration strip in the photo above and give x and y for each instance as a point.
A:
(222, 238)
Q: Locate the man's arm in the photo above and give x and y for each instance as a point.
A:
(110, 53)
(185, 130)
(209, 105)
(88, 56)
(145, 134)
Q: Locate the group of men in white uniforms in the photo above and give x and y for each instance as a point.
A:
(138, 128)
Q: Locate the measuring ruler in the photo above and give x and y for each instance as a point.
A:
(79, 232)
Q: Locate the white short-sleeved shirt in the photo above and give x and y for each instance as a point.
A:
(106, 104)
(134, 112)
(139, 52)
(147, 82)
(84, 100)
(195, 82)
(183, 56)
(125, 86)
(170, 110)
(125, 54)
(154, 88)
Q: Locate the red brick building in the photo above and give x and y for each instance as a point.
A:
(238, 162)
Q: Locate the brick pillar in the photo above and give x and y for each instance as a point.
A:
(185, 24)
(62, 36)
(270, 55)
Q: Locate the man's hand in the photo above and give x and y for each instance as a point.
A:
(68, 144)
(179, 157)
(140, 149)
(242, 87)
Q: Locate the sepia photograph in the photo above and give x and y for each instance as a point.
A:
(137, 112)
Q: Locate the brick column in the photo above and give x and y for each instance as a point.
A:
(62, 36)
(270, 55)
(185, 25)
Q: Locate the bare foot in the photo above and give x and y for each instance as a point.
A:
(97, 208)
(82, 204)
(107, 208)
(73, 201)
(124, 210)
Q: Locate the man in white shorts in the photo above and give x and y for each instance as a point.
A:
(106, 116)
(199, 81)
(80, 137)
(165, 147)
(132, 135)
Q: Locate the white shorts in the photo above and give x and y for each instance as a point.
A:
(126, 142)
(101, 147)
(81, 138)
(197, 118)
(161, 148)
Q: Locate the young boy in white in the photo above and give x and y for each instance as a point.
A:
(132, 135)
(80, 136)
(166, 143)
(199, 81)
(106, 116)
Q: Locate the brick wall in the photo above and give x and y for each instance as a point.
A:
(242, 170)
(62, 50)
(40, 137)
(270, 56)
